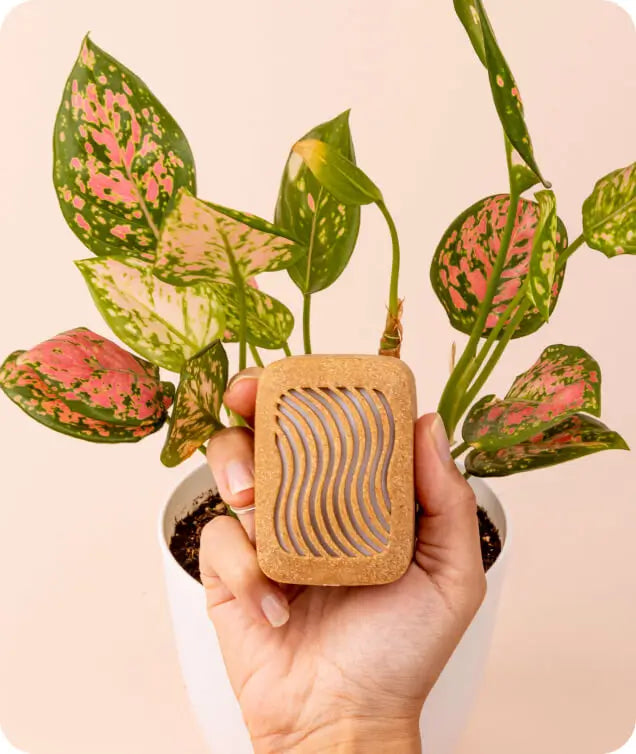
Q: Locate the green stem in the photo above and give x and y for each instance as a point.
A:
(494, 333)
(461, 448)
(240, 288)
(287, 349)
(256, 356)
(464, 369)
(470, 396)
(203, 450)
(395, 265)
(569, 251)
(307, 322)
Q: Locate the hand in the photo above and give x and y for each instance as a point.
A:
(339, 668)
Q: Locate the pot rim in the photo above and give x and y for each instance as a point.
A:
(476, 483)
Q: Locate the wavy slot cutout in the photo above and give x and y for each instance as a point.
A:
(335, 446)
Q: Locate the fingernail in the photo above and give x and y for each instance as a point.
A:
(240, 477)
(438, 432)
(275, 610)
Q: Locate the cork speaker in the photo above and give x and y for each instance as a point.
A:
(334, 470)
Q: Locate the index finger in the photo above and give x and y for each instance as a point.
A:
(240, 395)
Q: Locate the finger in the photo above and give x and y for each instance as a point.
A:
(448, 530)
(230, 454)
(240, 395)
(230, 571)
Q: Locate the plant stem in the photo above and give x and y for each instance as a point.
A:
(395, 264)
(494, 333)
(256, 356)
(203, 450)
(464, 369)
(461, 448)
(240, 288)
(569, 251)
(471, 394)
(287, 349)
(307, 322)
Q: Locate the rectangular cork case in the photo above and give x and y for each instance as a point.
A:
(334, 470)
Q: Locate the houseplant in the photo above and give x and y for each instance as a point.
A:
(148, 421)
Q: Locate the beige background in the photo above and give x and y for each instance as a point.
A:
(86, 659)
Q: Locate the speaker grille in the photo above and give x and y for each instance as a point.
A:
(335, 446)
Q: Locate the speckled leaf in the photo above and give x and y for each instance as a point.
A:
(119, 156)
(609, 213)
(269, 322)
(336, 173)
(575, 437)
(86, 386)
(96, 377)
(544, 254)
(166, 324)
(195, 414)
(502, 83)
(327, 228)
(466, 254)
(203, 241)
(469, 16)
(521, 177)
(35, 397)
(563, 381)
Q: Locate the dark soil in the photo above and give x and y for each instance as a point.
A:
(490, 540)
(184, 544)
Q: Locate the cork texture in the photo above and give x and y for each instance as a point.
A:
(334, 470)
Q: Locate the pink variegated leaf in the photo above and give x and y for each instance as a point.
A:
(119, 157)
(564, 380)
(97, 378)
(83, 407)
(466, 254)
(577, 436)
(195, 414)
(203, 241)
(164, 323)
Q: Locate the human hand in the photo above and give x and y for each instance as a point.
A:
(339, 668)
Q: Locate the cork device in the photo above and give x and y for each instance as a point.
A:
(334, 470)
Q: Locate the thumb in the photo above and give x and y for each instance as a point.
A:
(447, 530)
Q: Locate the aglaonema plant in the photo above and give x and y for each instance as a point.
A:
(175, 276)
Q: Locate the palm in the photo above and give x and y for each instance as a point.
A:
(333, 638)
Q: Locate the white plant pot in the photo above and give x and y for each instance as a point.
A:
(447, 708)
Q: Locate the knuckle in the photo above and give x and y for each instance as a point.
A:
(213, 529)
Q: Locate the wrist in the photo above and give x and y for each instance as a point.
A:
(347, 735)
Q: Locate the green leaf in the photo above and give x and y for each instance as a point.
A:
(119, 156)
(577, 436)
(469, 16)
(336, 173)
(609, 213)
(563, 381)
(466, 254)
(85, 386)
(544, 255)
(195, 414)
(521, 177)
(202, 241)
(503, 86)
(327, 228)
(166, 324)
(269, 322)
